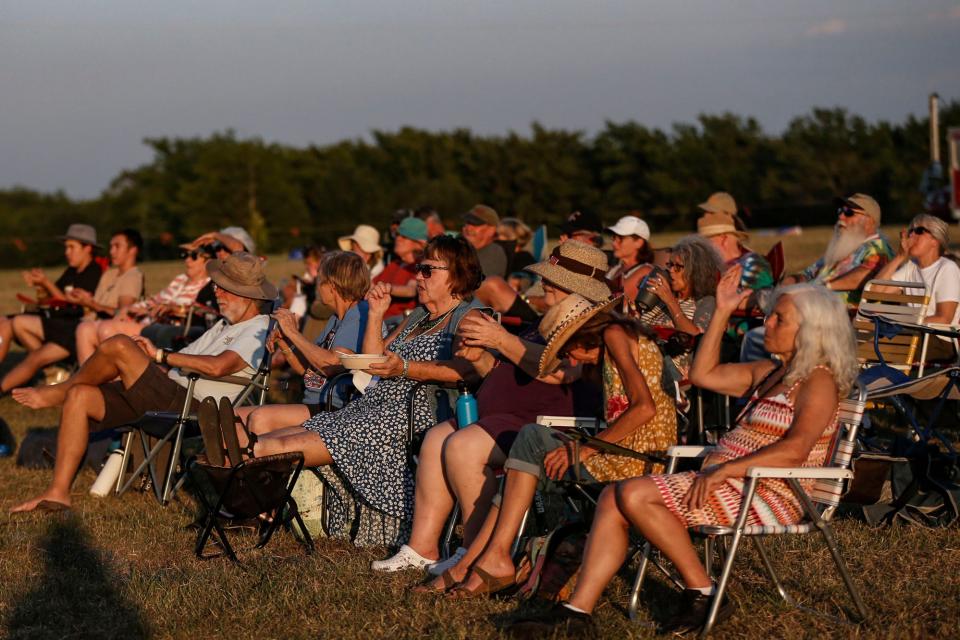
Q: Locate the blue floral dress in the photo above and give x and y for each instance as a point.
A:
(367, 440)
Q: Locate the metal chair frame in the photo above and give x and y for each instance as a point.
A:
(818, 510)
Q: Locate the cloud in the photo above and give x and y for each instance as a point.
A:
(831, 27)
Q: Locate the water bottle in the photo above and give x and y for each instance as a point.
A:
(108, 475)
(466, 406)
(5, 450)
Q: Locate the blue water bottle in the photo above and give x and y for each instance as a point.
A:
(466, 406)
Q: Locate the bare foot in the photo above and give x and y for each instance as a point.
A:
(46, 501)
(39, 397)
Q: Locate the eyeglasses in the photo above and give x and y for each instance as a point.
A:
(674, 266)
(847, 211)
(918, 231)
(426, 270)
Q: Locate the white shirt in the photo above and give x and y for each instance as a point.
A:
(942, 279)
(246, 339)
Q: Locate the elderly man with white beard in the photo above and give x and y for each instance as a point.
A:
(856, 253)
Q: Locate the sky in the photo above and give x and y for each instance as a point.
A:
(83, 83)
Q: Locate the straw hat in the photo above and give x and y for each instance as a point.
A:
(576, 267)
(367, 237)
(242, 274)
(720, 202)
(562, 321)
(716, 223)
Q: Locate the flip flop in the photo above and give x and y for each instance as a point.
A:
(426, 587)
(489, 586)
(228, 427)
(208, 417)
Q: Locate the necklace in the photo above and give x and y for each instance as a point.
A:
(425, 324)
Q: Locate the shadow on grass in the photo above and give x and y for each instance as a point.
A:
(76, 595)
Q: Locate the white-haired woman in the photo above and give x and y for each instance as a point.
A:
(791, 421)
(920, 259)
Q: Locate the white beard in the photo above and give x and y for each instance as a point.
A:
(845, 240)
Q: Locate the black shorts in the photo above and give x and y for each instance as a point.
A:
(62, 332)
(153, 391)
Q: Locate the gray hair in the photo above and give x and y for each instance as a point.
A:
(937, 228)
(825, 337)
(702, 265)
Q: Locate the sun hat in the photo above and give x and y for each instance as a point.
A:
(414, 229)
(720, 202)
(581, 221)
(240, 235)
(717, 223)
(562, 321)
(576, 267)
(481, 214)
(367, 237)
(81, 233)
(631, 226)
(242, 274)
(862, 202)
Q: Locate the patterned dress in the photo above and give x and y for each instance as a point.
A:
(659, 433)
(767, 422)
(367, 440)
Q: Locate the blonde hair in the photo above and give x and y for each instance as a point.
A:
(514, 229)
(346, 273)
(825, 337)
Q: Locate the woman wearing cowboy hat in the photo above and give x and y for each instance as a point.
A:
(641, 417)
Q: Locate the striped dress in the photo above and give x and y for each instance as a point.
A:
(774, 503)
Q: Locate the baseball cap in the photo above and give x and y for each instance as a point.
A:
(581, 221)
(413, 228)
(240, 234)
(481, 214)
(631, 226)
(864, 203)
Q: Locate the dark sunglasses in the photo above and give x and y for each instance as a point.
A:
(426, 270)
(847, 211)
(674, 266)
(918, 231)
(193, 255)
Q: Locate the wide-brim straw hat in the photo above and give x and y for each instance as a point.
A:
(714, 223)
(576, 267)
(81, 233)
(242, 274)
(563, 320)
(366, 237)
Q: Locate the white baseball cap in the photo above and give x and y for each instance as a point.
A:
(631, 226)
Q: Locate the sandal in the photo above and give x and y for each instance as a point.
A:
(490, 585)
(208, 418)
(426, 587)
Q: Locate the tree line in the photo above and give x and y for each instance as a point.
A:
(292, 196)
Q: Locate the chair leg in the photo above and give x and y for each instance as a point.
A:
(634, 604)
(773, 574)
(172, 467)
(516, 542)
(708, 555)
(124, 461)
(447, 541)
(842, 568)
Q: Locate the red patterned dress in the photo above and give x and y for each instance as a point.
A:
(767, 422)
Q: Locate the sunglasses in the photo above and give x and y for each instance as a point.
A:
(674, 266)
(847, 211)
(193, 255)
(918, 231)
(426, 270)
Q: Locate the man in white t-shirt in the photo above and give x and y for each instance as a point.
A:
(93, 399)
(920, 259)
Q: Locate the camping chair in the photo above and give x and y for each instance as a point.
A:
(818, 507)
(776, 259)
(168, 429)
(250, 488)
(882, 337)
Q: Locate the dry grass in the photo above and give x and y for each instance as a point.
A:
(123, 568)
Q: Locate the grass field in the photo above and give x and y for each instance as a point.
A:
(123, 567)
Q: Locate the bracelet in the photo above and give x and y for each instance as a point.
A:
(288, 351)
(158, 356)
(166, 354)
(406, 368)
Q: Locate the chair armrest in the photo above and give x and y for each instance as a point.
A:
(237, 380)
(818, 473)
(690, 451)
(567, 422)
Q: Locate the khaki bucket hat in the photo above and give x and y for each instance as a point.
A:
(242, 274)
(576, 267)
(367, 237)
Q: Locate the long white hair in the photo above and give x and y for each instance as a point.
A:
(825, 336)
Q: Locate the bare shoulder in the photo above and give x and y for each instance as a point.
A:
(819, 388)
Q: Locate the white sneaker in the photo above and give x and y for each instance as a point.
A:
(438, 568)
(405, 558)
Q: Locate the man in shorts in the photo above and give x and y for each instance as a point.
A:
(93, 399)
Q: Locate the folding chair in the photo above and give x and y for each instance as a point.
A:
(168, 428)
(253, 487)
(879, 339)
(818, 508)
